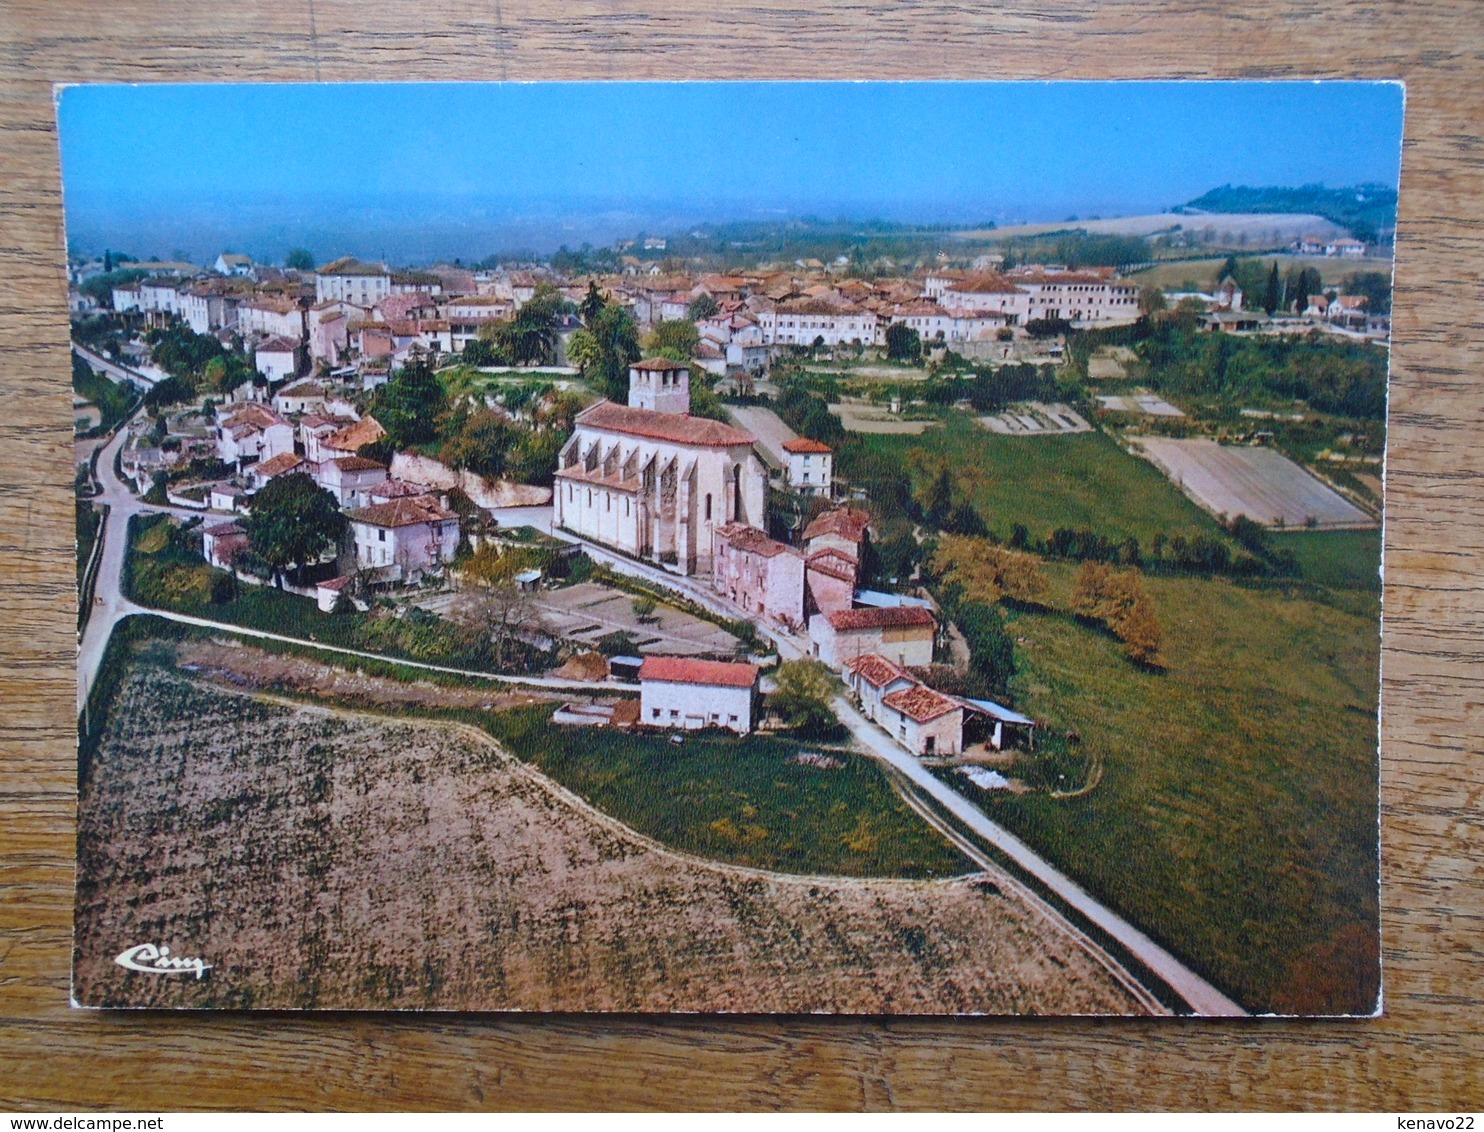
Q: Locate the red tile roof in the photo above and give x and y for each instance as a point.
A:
(357, 464)
(849, 522)
(674, 427)
(751, 540)
(834, 564)
(684, 670)
(875, 617)
(403, 512)
(659, 364)
(367, 430)
(278, 465)
(987, 284)
(278, 345)
(876, 670)
(920, 703)
(803, 444)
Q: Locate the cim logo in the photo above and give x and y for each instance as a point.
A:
(151, 959)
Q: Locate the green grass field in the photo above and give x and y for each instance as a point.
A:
(1343, 559)
(737, 800)
(1045, 482)
(1236, 818)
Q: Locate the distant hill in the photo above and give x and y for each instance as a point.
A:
(1368, 211)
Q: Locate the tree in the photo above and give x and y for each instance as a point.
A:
(903, 344)
(292, 522)
(643, 609)
(617, 335)
(1374, 286)
(803, 697)
(1119, 601)
(935, 497)
(702, 306)
(987, 573)
(530, 338)
(590, 307)
(409, 405)
(494, 604)
(301, 259)
(482, 444)
(583, 350)
(675, 338)
(1272, 297)
(1151, 300)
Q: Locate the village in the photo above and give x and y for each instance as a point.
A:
(681, 500)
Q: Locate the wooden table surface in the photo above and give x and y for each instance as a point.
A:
(1424, 1054)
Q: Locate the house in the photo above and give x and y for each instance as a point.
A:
(327, 593)
(810, 466)
(299, 398)
(277, 359)
(652, 481)
(351, 479)
(688, 694)
(843, 529)
(904, 635)
(760, 576)
(1089, 297)
(222, 543)
(404, 539)
(1309, 245)
(1345, 248)
(329, 330)
(347, 278)
(226, 497)
(345, 441)
(271, 316)
(986, 291)
(802, 322)
(1234, 321)
(925, 721)
(283, 464)
(248, 433)
(871, 676)
(229, 263)
(1348, 311)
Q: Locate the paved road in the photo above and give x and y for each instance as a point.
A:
(1202, 996)
(112, 369)
(772, 434)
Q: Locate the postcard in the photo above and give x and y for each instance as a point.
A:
(869, 548)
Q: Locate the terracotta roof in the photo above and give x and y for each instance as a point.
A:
(674, 427)
(833, 564)
(684, 670)
(302, 388)
(335, 585)
(349, 265)
(659, 364)
(876, 670)
(367, 430)
(278, 465)
(876, 617)
(252, 414)
(277, 345)
(920, 703)
(849, 522)
(402, 512)
(223, 529)
(987, 284)
(742, 537)
(819, 306)
(357, 464)
(399, 489)
(803, 444)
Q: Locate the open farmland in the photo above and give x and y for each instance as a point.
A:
(1173, 276)
(1272, 228)
(1261, 483)
(861, 416)
(322, 859)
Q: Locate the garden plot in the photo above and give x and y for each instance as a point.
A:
(1036, 419)
(323, 859)
(1109, 363)
(1147, 403)
(1260, 483)
(860, 416)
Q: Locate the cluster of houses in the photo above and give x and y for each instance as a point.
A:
(687, 494)
(366, 318)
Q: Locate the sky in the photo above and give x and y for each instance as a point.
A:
(417, 172)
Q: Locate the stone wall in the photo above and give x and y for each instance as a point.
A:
(484, 492)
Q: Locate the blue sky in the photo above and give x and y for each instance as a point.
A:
(429, 170)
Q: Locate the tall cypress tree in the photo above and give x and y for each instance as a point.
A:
(1273, 295)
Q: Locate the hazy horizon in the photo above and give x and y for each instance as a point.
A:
(414, 173)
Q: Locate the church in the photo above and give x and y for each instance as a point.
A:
(654, 482)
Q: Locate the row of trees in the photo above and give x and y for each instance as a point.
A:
(1116, 599)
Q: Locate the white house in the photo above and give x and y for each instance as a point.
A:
(222, 543)
(347, 278)
(687, 694)
(300, 397)
(904, 635)
(925, 721)
(1091, 297)
(871, 677)
(229, 263)
(655, 483)
(810, 466)
(277, 359)
(403, 539)
(249, 433)
(272, 316)
(350, 479)
(800, 322)
(283, 464)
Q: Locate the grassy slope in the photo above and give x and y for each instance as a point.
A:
(737, 800)
(1045, 482)
(1236, 820)
(1349, 559)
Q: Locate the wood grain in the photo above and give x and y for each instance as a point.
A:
(1426, 1052)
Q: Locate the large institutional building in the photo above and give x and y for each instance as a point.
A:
(652, 481)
